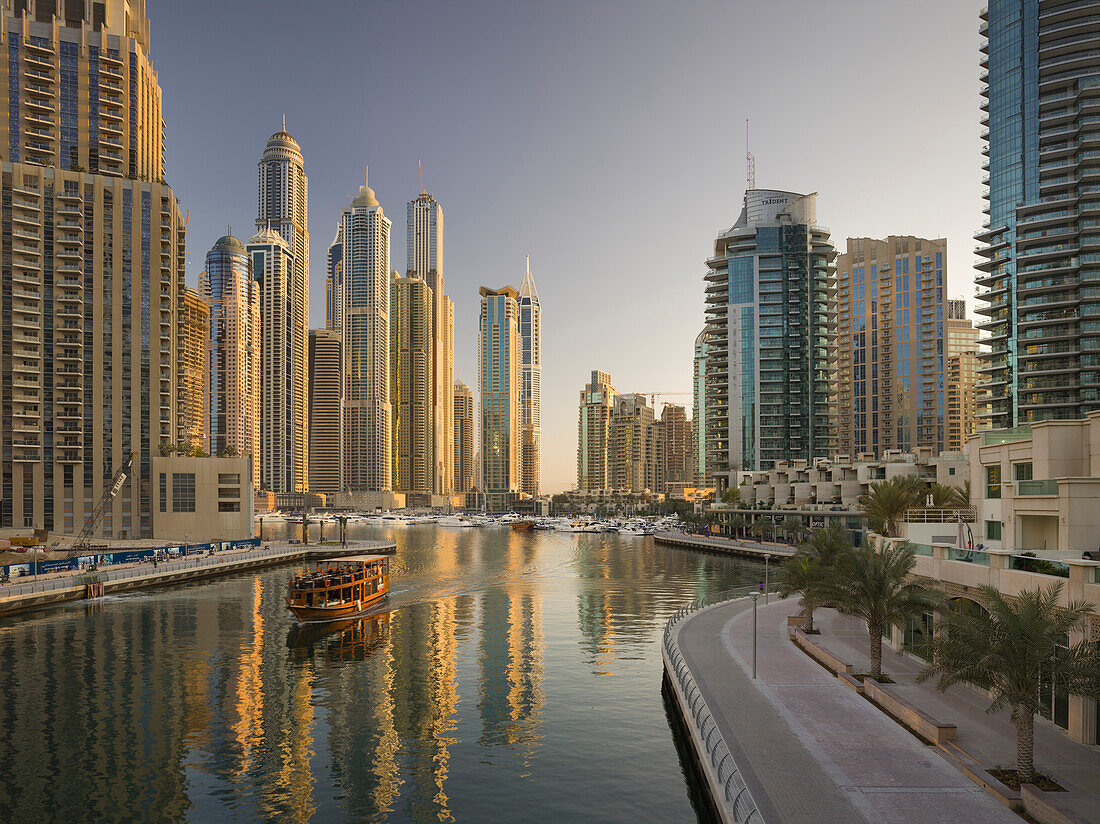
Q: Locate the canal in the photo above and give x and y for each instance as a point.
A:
(513, 677)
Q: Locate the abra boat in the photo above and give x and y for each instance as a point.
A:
(523, 526)
(339, 588)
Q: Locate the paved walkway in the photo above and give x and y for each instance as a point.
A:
(983, 740)
(809, 749)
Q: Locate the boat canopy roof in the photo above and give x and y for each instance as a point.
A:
(355, 559)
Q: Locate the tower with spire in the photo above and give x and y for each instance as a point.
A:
(530, 401)
(280, 254)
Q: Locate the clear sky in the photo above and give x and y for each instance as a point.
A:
(605, 138)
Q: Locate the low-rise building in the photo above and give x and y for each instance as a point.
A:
(202, 499)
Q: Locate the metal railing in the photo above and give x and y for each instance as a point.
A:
(734, 791)
(108, 574)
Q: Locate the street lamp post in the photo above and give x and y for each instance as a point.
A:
(767, 557)
(755, 598)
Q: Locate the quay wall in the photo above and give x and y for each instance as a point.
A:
(749, 549)
(21, 597)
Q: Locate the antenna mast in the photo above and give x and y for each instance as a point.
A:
(420, 169)
(750, 161)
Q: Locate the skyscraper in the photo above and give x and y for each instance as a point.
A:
(632, 445)
(530, 401)
(770, 307)
(499, 359)
(93, 268)
(594, 418)
(364, 324)
(961, 350)
(463, 437)
(411, 367)
(673, 446)
(233, 353)
(890, 345)
(325, 430)
(1039, 62)
(334, 280)
(194, 329)
(699, 410)
(282, 209)
(424, 256)
(283, 459)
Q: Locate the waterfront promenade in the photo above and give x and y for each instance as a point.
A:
(808, 749)
(707, 543)
(22, 594)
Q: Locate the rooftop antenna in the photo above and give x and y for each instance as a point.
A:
(750, 161)
(420, 169)
(284, 121)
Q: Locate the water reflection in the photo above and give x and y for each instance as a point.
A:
(207, 703)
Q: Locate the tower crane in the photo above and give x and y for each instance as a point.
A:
(654, 395)
(96, 516)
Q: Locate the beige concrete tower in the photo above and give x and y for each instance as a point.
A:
(463, 437)
(424, 260)
(594, 418)
(632, 448)
(961, 352)
(194, 329)
(325, 431)
(530, 409)
(90, 332)
(233, 352)
(282, 207)
(411, 367)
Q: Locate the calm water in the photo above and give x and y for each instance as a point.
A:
(515, 677)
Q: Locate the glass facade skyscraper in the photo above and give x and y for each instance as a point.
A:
(530, 399)
(499, 363)
(1040, 276)
(770, 358)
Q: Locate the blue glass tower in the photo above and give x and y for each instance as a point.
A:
(1041, 245)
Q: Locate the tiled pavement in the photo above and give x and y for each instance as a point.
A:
(810, 750)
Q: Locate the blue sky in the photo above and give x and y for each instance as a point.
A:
(605, 138)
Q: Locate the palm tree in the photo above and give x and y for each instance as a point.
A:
(737, 524)
(809, 571)
(1013, 650)
(886, 503)
(792, 525)
(872, 583)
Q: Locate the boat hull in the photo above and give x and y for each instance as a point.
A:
(306, 614)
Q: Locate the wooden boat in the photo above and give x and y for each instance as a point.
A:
(339, 588)
(523, 525)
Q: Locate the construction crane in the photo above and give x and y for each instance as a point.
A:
(654, 395)
(93, 521)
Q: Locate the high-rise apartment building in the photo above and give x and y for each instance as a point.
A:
(194, 326)
(673, 445)
(325, 429)
(411, 368)
(499, 364)
(699, 410)
(530, 400)
(770, 362)
(93, 274)
(364, 324)
(232, 352)
(282, 428)
(632, 445)
(424, 256)
(463, 438)
(282, 271)
(961, 358)
(334, 279)
(1041, 271)
(890, 345)
(594, 418)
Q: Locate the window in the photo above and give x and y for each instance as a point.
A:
(993, 481)
(229, 492)
(226, 478)
(1023, 471)
(163, 492)
(993, 530)
(183, 491)
(951, 470)
(229, 506)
